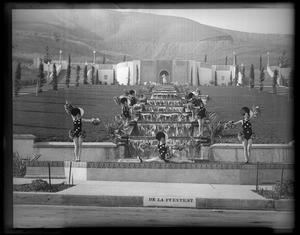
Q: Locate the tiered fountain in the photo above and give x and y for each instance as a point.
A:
(166, 111)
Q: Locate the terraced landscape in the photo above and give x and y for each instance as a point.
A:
(44, 115)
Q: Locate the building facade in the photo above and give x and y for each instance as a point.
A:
(172, 71)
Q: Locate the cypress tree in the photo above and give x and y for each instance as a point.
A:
(251, 77)
(103, 59)
(114, 77)
(137, 75)
(236, 75)
(128, 78)
(198, 78)
(192, 76)
(68, 75)
(275, 76)
(230, 79)
(77, 75)
(205, 58)
(47, 57)
(216, 79)
(18, 75)
(283, 60)
(54, 78)
(85, 75)
(97, 77)
(226, 60)
(261, 80)
(92, 76)
(290, 84)
(243, 75)
(41, 78)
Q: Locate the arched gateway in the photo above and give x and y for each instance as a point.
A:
(163, 77)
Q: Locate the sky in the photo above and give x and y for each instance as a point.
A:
(269, 19)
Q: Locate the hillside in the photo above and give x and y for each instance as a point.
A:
(139, 36)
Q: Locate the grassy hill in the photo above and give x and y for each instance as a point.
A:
(44, 115)
(139, 36)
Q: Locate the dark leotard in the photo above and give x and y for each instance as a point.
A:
(77, 131)
(162, 149)
(201, 110)
(133, 101)
(126, 112)
(247, 129)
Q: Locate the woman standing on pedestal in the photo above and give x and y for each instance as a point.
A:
(77, 134)
(199, 111)
(246, 135)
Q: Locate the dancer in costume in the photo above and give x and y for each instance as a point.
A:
(162, 149)
(247, 135)
(77, 134)
(198, 109)
(126, 113)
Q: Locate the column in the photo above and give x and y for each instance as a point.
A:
(94, 57)
(60, 56)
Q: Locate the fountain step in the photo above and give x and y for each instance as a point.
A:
(166, 112)
(163, 109)
(163, 123)
(170, 137)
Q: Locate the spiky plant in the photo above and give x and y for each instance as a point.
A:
(19, 164)
(115, 130)
(215, 126)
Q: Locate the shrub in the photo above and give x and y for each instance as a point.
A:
(40, 185)
(287, 188)
(19, 164)
(215, 126)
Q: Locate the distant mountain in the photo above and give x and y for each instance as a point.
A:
(139, 36)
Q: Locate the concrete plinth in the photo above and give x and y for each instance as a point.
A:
(204, 173)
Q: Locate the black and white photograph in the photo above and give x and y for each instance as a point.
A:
(151, 115)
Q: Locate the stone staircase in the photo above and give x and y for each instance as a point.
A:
(166, 111)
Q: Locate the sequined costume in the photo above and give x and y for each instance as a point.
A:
(162, 149)
(77, 131)
(126, 112)
(247, 131)
(200, 109)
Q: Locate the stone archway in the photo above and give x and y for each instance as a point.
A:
(164, 77)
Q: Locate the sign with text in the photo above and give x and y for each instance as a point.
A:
(170, 201)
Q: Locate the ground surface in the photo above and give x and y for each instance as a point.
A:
(42, 216)
(44, 115)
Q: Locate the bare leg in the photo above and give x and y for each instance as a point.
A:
(180, 160)
(126, 122)
(199, 123)
(75, 140)
(245, 143)
(249, 149)
(79, 147)
(154, 159)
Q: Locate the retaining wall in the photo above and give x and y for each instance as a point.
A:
(25, 145)
(64, 151)
(283, 153)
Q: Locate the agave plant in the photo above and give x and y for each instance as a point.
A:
(196, 144)
(19, 164)
(115, 129)
(215, 126)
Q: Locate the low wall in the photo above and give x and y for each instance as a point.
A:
(282, 153)
(106, 151)
(64, 151)
(203, 173)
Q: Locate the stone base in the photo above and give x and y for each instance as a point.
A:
(203, 172)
